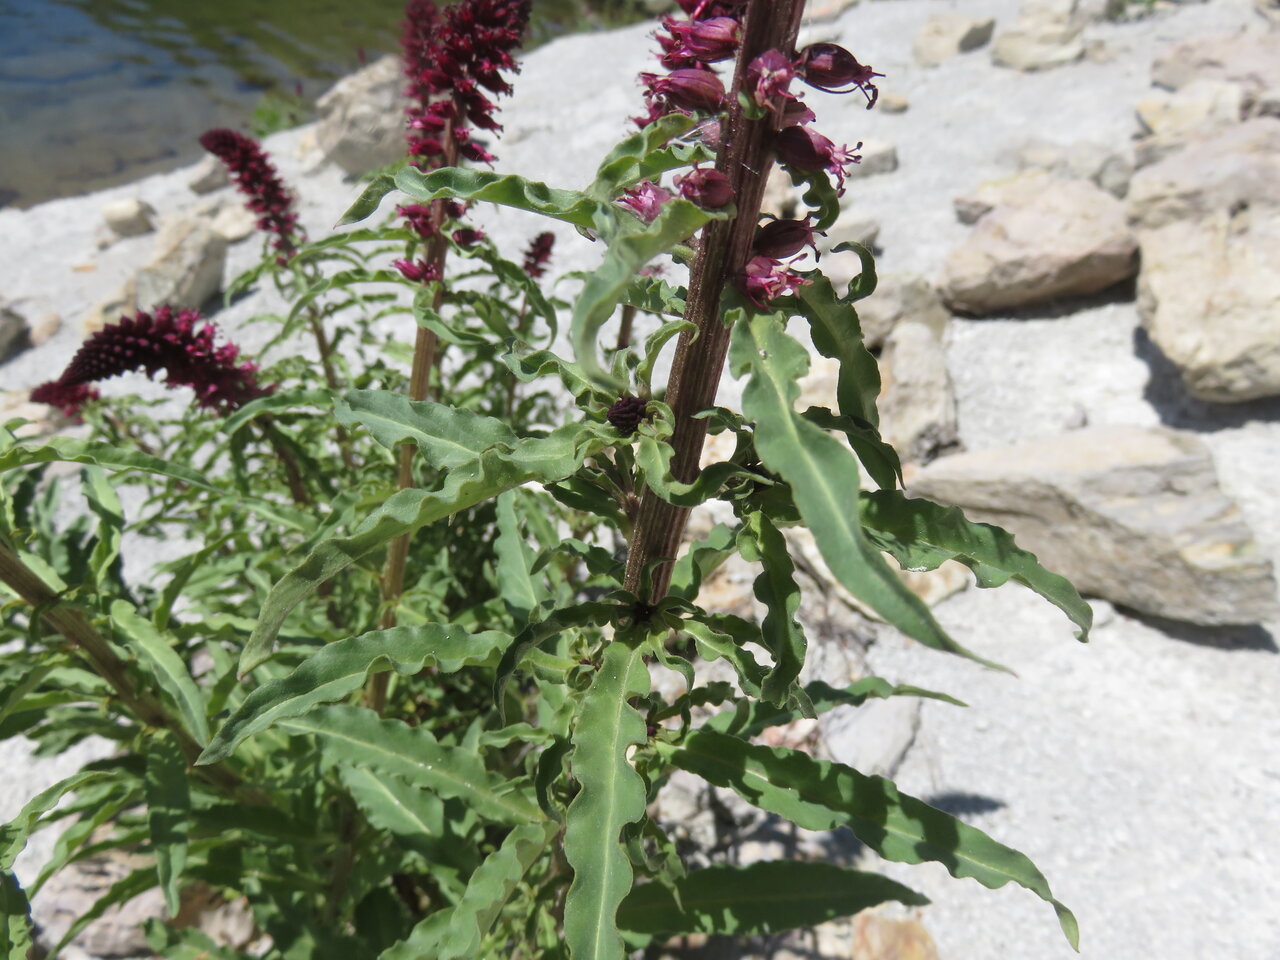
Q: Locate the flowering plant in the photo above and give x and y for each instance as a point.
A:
(411, 667)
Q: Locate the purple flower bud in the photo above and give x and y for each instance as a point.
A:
(419, 218)
(419, 272)
(467, 236)
(699, 41)
(770, 75)
(689, 88)
(831, 67)
(806, 149)
(780, 239)
(709, 189)
(763, 279)
(538, 254)
(626, 413)
(645, 199)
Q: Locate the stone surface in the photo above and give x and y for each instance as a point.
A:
(44, 328)
(233, 221)
(877, 157)
(362, 122)
(945, 35)
(1251, 59)
(186, 269)
(850, 228)
(129, 217)
(1239, 166)
(900, 298)
(1131, 514)
(1209, 293)
(14, 335)
(891, 102)
(1083, 160)
(1030, 47)
(208, 175)
(1069, 239)
(917, 401)
(73, 890)
(1015, 191)
(1202, 106)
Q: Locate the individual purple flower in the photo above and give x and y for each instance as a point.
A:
(782, 239)
(257, 179)
(806, 149)
(166, 340)
(419, 218)
(795, 113)
(539, 254)
(67, 397)
(830, 67)
(689, 88)
(763, 279)
(467, 236)
(770, 76)
(709, 189)
(699, 41)
(645, 199)
(417, 271)
(696, 9)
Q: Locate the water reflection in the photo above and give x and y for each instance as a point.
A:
(97, 92)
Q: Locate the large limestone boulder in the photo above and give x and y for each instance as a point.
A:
(1017, 190)
(1068, 239)
(1250, 59)
(1209, 296)
(917, 401)
(1239, 166)
(945, 35)
(1082, 160)
(1134, 515)
(1202, 106)
(186, 269)
(362, 123)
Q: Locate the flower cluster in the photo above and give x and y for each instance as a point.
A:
(689, 47)
(538, 255)
(166, 340)
(450, 59)
(257, 179)
(626, 414)
(765, 276)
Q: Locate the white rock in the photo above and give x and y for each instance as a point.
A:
(1070, 239)
(44, 329)
(1209, 294)
(893, 103)
(945, 35)
(1202, 106)
(877, 157)
(362, 123)
(1015, 191)
(901, 298)
(186, 269)
(917, 400)
(14, 335)
(1131, 514)
(129, 217)
(1239, 166)
(208, 175)
(233, 222)
(844, 266)
(875, 737)
(1251, 59)
(1031, 47)
(1083, 160)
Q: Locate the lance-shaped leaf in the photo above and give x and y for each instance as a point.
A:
(823, 476)
(544, 459)
(72, 450)
(15, 919)
(766, 897)
(776, 588)
(15, 833)
(921, 534)
(338, 669)
(164, 665)
(457, 931)
(521, 593)
(168, 812)
(837, 334)
(820, 795)
(447, 436)
(369, 200)
(508, 190)
(359, 737)
(612, 796)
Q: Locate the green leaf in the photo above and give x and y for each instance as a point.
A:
(447, 436)
(122, 891)
(165, 666)
(392, 804)
(457, 931)
(776, 588)
(369, 200)
(359, 737)
(864, 284)
(72, 450)
(700, 560)
(823, 476)
(15, 833)
(168, 812)
(921, 534)
(339, 669)
(612, 796)
(639, 156)
(15, 919)
(544, 460)
(467, 183)
(820, 795)
(837, 334)
(102, 500)
(516, 585)
(766, 897)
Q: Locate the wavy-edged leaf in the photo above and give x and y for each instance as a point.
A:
(15, 833)
(765, 897)
(505, 189)
(921, 534)
(168, 812)
(519, 591)
(544, 459)
(878, 457)
(698, 562)
(457, 931)
(531, 365)
(277, 402)
(72, 450)
(339, 669)
(393, 804)
(15, 919)
(612, 796)
(837, 334)
(822, 795)
(823, 476)
(359, 737)
(162, 662)
(638, 156)
(103, 502)
(369, 200)
(724, 636)
(447, 436)
(777, 589)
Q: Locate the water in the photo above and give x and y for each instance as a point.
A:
(99, 92)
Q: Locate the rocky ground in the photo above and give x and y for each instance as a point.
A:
(1047, 315)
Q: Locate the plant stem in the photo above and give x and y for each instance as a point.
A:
(745, 158)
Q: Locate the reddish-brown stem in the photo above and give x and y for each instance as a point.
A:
(624, 327)
(745, 158)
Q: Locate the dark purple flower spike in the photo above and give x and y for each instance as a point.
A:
(257, 179)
